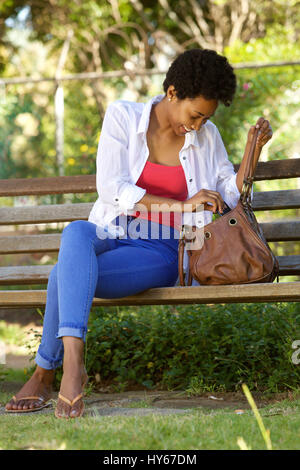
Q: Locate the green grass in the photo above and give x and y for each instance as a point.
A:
(201, 428)
(198, 348)
(198, 429)
(15, 375)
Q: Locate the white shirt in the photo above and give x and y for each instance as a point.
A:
(122, 155)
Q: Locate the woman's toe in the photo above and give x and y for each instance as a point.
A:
(74, 413)
(62, 411)
(33, 404)
(24, 405)
(66, 411)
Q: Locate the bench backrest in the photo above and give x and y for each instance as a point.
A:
(280, 231)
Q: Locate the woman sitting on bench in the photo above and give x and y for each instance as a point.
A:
(156, 162)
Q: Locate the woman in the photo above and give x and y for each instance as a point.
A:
(165, 155)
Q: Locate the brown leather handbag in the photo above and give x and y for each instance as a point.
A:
(233, 249)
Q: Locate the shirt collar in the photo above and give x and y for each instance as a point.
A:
(191, 138)
(144, 121)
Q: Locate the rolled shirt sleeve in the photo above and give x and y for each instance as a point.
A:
(113, 180)
(226, 182)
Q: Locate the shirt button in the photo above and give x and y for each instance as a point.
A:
(191, 180)
(116, 199)
(184, 158)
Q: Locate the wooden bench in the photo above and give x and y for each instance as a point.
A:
(281, 230)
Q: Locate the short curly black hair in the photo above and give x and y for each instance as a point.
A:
(202, 72)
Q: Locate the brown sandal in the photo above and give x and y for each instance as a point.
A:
(71, 403)
(44, 404)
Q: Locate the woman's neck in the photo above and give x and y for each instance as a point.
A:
(159, 122)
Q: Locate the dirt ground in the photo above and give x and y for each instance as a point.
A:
(158, 402)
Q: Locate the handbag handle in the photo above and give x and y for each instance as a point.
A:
(180, 264)
(248, 181)
(249, 170)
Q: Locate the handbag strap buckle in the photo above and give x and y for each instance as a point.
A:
(187, 233)
(246, 190)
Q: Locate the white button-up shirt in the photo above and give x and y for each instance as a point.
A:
(122, 155)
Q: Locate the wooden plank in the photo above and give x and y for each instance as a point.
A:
(274, 200)
(14, 275)
(45, 214)
(277, 169)
(30, 243)
(287, 230)
(17, 275)
(266, 292)
(51, 185)
(269, 200)
(273, 231)
(289, 265)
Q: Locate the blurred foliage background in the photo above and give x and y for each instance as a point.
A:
(130, 36)
(135, 35)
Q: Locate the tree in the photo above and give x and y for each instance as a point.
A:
(134, 34)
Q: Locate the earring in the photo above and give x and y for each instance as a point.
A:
(170, 99)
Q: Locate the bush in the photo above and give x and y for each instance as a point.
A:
(218, 347)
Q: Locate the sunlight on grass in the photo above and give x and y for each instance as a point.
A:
(11, 333)
(198, 429)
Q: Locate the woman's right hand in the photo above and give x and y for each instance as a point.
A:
(212, 201)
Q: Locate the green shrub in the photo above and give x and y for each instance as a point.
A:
(218, 347)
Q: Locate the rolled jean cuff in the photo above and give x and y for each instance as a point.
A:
(70, 331)
(45, 364)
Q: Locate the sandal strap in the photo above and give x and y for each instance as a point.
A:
(66, 400)
(29, 398)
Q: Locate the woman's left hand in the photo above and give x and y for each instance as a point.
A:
(265, 132)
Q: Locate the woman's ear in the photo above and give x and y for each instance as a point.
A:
(172, 93)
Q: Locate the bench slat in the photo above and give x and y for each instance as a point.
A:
(270, 200)
(273, 231)
(289, 265)
(274, 200)
(45, 186)
(281, 231)
(266, 292)
(25, 274)
(39, 274)
(30, 243)
(45, 214)
(277, 169)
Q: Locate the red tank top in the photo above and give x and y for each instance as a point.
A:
(165, 181)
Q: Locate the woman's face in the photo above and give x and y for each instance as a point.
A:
(190, 113)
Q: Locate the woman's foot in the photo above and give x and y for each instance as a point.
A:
(73, 379)
(40, 385)
(71, 386)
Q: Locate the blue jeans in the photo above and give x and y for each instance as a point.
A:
(89, 267)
